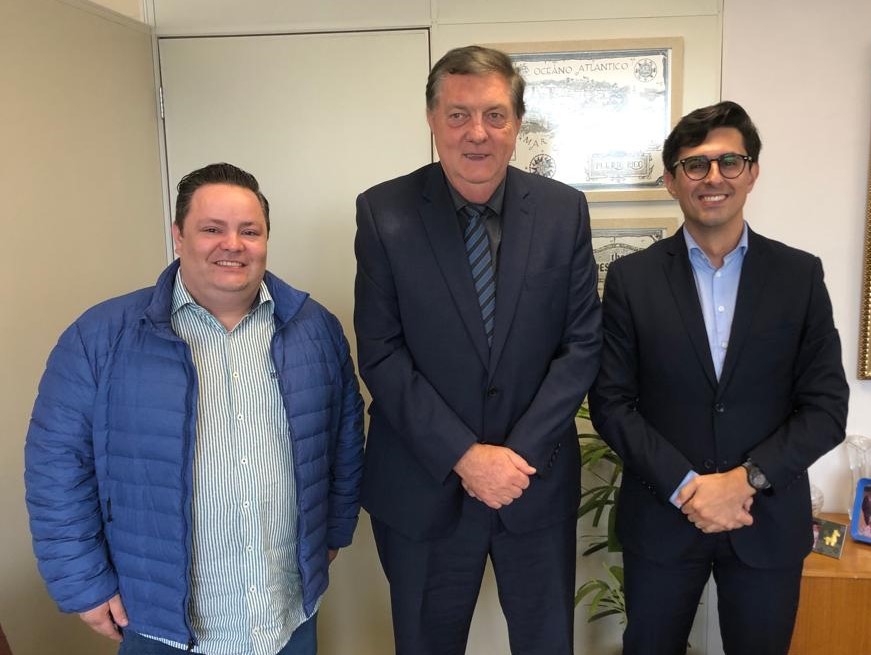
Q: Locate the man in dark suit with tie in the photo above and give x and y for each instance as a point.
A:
(721, 383)
(478, 331)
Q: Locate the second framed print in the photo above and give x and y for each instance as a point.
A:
(614, 238)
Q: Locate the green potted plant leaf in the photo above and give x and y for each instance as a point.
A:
(600, 483)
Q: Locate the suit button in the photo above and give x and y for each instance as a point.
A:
(492, 391)
(719, 408)
(709, 464)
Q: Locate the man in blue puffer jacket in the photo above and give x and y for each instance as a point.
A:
(195, 451)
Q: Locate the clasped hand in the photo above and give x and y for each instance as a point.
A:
(495, 475)
(718, 502)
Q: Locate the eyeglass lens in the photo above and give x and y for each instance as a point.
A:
(730, 166)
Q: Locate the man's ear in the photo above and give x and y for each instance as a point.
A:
(176, 238)
(669, 180)
(754, 175)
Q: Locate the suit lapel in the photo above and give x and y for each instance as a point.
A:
(683, 288)
(517, 223)
(443, 230)
(754, 272)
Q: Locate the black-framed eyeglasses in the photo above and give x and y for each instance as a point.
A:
(730, 165)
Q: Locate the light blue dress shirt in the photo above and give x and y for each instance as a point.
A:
(718, 291)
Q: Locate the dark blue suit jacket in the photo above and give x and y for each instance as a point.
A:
(781, 398)
(436, 386)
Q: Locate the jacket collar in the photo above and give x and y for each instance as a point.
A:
(288, 301)
(517, 228)
(750, 287)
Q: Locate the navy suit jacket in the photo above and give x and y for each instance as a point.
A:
(436, 387)
(781, 398)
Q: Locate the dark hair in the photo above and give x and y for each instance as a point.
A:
(222, 173)
(693, 129)
(476, 60)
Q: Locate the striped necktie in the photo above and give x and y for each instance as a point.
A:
(478, 250)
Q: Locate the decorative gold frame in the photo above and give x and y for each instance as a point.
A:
(865, 315)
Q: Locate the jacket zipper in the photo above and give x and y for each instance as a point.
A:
(188, 469)
(188, 464)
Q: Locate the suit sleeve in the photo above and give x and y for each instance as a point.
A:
(60, 481)
(417, 413)
(820, 396)
(614, 397)
(575, 363)
(346, 467)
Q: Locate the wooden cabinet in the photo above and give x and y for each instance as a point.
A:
(834, 613)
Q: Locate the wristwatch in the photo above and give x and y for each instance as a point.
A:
(755, 477)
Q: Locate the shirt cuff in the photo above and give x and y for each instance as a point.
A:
(673, 498)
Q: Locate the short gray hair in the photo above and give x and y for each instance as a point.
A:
(476, 60)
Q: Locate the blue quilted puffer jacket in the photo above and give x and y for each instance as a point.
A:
(110, 449)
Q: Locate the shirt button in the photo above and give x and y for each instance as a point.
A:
(249, 548)
(246, 504)
(244, 460)
(718, 274)
(721, 309)
(719, 408)
(236, 374)
(239, 417)
(252, 589)
(255, 630)
(723, 344)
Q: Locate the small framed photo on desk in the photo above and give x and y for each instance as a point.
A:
(829, 537)
(860, 525)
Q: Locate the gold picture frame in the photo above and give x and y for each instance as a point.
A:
(865, 314)
(597, 113)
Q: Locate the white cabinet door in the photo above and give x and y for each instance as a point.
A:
(317, 118)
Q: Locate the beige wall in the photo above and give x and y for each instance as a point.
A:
(130, 8)
(803, 71)
(82, 215)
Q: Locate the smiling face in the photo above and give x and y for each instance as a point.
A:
(222, 250)
(713, 207)
(475, 128)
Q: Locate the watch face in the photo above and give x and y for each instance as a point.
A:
(755, 477)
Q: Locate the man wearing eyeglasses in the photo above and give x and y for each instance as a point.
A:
(721, 383)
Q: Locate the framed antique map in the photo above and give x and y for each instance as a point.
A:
(614, 238)
(597, 113)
